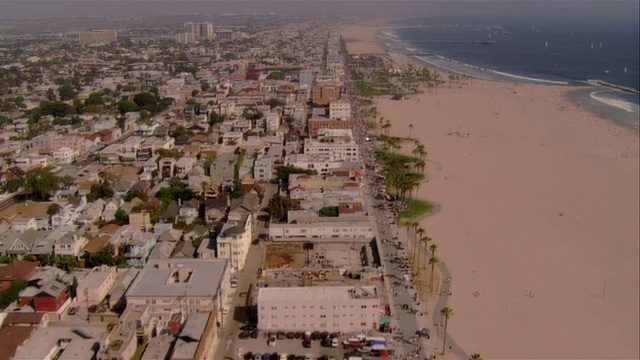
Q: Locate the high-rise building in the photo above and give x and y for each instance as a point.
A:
(203, 30)
(97, 36)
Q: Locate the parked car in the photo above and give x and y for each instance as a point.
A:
(72, 310)
(306, 343)
(244, 334)
(271, 341)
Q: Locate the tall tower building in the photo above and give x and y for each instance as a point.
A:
(203, 30)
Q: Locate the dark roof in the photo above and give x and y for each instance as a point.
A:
(171, 211)
(11, 337)
(249, 202)
(219, 203)
(17, 270)
(184, 249)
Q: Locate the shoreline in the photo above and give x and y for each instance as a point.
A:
(595, 106)
(539, 211)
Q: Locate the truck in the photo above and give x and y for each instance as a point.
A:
(371, 341)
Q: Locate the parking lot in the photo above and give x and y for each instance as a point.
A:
(285, 346)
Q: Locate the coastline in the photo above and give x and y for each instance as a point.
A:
(539, 213)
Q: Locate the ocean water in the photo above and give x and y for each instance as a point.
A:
(579, 50)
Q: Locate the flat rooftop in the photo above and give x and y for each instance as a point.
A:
(315, 293)
(179, 277)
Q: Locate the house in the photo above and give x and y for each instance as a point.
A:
(16, 270)
(21, 224)
(138, 247)
(184, 165)
(195, 231)
(69, 244)
(166, 167)
(52, 296)
(167, 218)
(69, 211)
(94, 245)
(23, 243)
(110, 208)
(91, 213)
(141, 219)
(216, 209)
(184, 250)
(189, 210)
(171, 235)
(162, 250)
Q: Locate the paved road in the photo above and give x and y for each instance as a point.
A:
(228, 333)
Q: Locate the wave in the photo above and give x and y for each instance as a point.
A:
(618, 103)
(529, 78)
(389, 33)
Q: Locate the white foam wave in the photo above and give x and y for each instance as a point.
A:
(528, 78)
(389, 33)
(618, 103)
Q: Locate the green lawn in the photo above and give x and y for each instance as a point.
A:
(416, 207)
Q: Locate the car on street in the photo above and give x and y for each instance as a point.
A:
(271, 341)
(72, 310)
(306, 343)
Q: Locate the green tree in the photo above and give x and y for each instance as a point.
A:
(40, 183)
(147, 102)
(432, 261)
(328, 211)
(51, 95)
(101, 190)
(94, 99)
(66, 92)
(11, 294)
(279, 206)
(195, 92)
(125, 106)
(52, 209)
(447, 313)
(122, 218)
(55, 108)
(67, 181)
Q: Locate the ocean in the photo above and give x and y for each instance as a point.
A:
(537, 48)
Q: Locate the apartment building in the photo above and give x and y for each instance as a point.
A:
(337, 142)
(168, 286)
(321, 163)
(319, 308)
(263, 168)
(97, 36)
(321, 119)
(234, 239)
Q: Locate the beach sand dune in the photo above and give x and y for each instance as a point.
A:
(539, 214)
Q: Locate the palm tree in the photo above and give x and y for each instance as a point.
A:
(425, 240)
(410, 128)
(447, 313)
(433, 248)
(432, 261)
(475, 356)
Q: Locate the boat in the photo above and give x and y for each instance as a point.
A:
(625, 70)
(606, 71)
(592, 45)
(546, 44)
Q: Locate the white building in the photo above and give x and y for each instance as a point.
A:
(319, 308)
(184, 166)
(337, 142)
(321, 163)
(340, 110)
(263, 168)
(315, 228)
(234, 239)
(167, 286)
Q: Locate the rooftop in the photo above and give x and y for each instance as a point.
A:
(179, 277)
(316, 293)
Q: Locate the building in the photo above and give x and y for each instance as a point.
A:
(186, 38)
(95, 286)
(319, 308)
(263, 168)
(62, 342)
(340, 110)
(323, 94)
(97, 36)
(234, 239)
(203, 30)
(328, 229)
(180, 285)
(337, 142)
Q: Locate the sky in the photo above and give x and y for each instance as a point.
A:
(71, 8)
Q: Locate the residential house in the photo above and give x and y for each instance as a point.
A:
(166, 167)
(91, 212)
(69, 211)
(184, 250)
(263, 168)
(52, 296)
(167, 218)
(140, 219)
(216, 209)
(138, 248)
(23, 243)
(22, 224)
(110, 208)
(184, 166)
(69, 244)
(189, 210)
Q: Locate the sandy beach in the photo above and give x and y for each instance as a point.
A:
(539, 215)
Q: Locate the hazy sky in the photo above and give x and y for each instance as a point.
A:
(55, 8)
